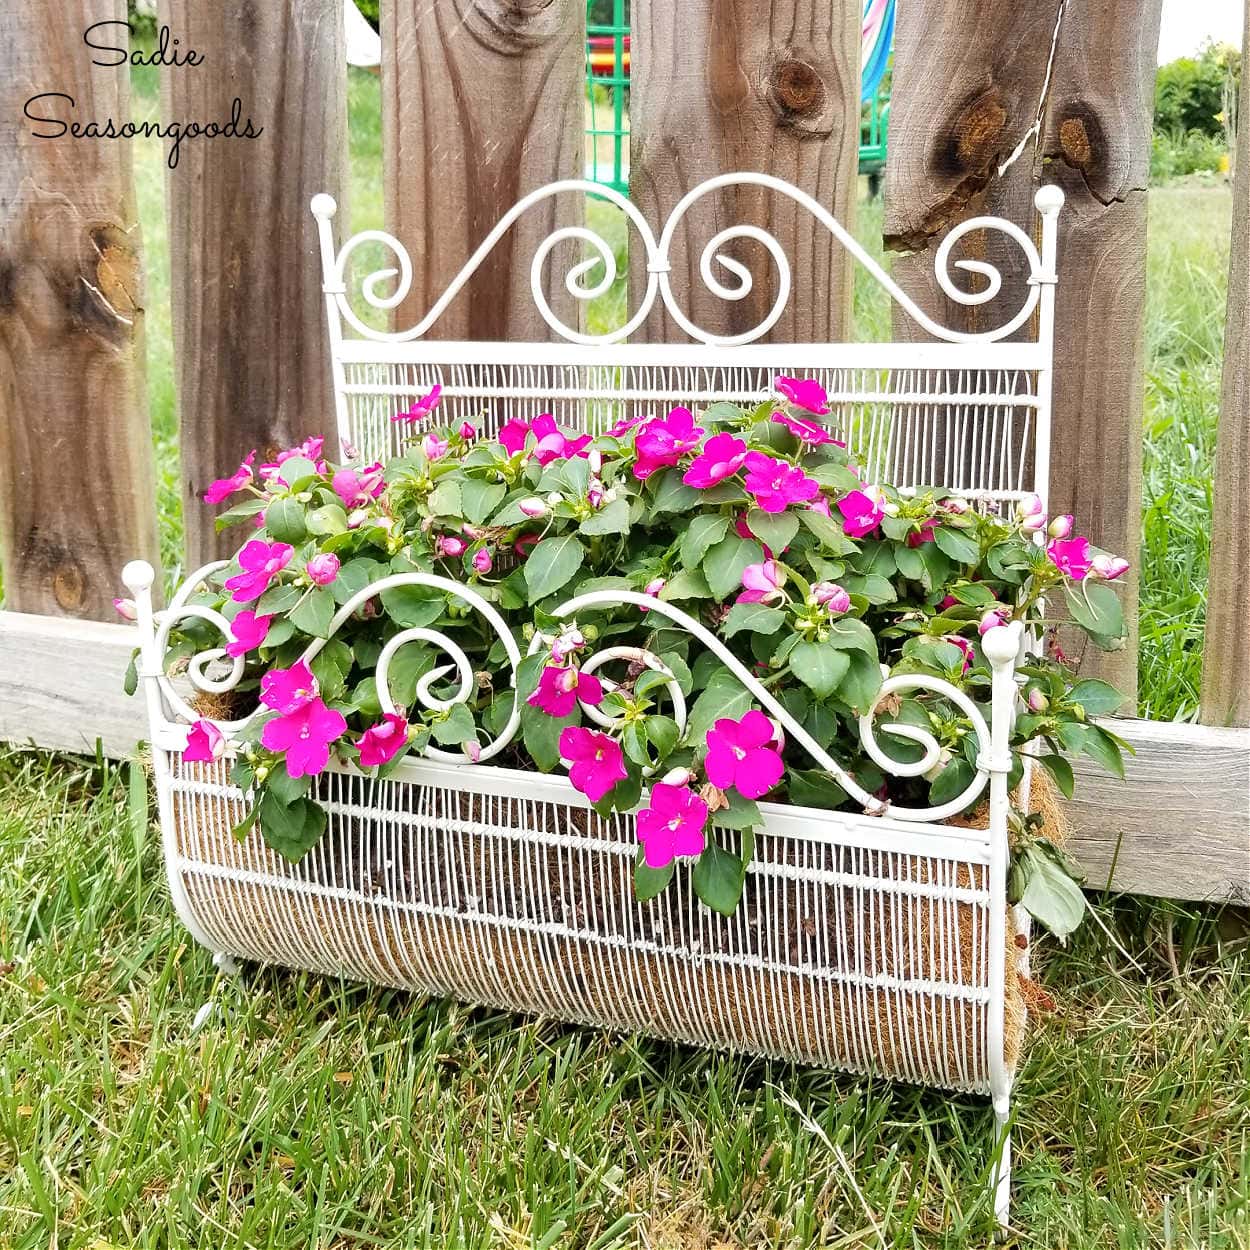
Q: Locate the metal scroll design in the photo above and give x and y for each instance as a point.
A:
(460, 665)
(736, 283)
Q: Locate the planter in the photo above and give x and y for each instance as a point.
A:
(880, 943)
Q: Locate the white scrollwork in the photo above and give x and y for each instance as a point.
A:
(657, 255)
(999, 650)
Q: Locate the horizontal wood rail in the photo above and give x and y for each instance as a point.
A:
(1178, 827)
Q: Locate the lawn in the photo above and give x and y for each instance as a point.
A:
(306, 1113)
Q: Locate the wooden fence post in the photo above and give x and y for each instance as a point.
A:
(717, 87)
(1226, 653)
(999, 101)
(482, 101)
(76, 490)
(252, 359)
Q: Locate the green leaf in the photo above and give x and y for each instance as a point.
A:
(445, 500)
(827, 531)
(774, 530)
(724, 563)
(285, 788)
(819, 666)
(354, 576)
(613, 518)
(413, 607)
(703, 532)
(850, 633)
(244, 827)
(1098, 698)
(1061, 771)
(951, 782)
(740, 814)
(278, 599)
(314, 612)
(672, 494)
(959, 546)
(1096, 609)
(758, 618)
(717, 878)
(726, 697)
(838, 476)
(686, 584)
(408, 665)
(130, 682)
(328, 519)
(662, 733)
(813, 788)
(551, 564)
(1051, 896)
(297, 469)
(634, 744)
(240, 512)
(648, 882)
(457, 728)
(975, 594)
(1102, 747)
(872, 588)
(862, 682)
(291, 829)
(479, 499)
(284, 519)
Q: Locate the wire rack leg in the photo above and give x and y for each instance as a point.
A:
(1002, 1165)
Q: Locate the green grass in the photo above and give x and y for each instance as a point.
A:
(309, 1113)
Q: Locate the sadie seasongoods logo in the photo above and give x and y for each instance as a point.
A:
(52, 113)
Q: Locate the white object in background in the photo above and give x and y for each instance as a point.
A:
(364, 45)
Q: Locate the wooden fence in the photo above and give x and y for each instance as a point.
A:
(481, 102)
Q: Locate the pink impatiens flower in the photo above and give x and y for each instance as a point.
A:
(776, 484)
(596, 762)
(356, 487)
(323, 568)
(224, 487)
(550, 442)
(305, 734)
(722, 456)
(261, 562)
(561, 689)
(434, 446)
(832, 597)
(482, 561)
(380, 743)
(991, 618)
(862, 511)
(924, 534)
(810, 432)
(421, 408)
(671, 825)
(803, 393)
(571, 640)
(205, 744)
(1071, 556)
(739, 754)
(287, 690)
(513, 434)
(761, 583)
(249, 632)
(447, 545)
(664, 440)
(964, 646)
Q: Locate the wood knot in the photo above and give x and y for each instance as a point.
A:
(797, 93)
(69, 586)
(977, 131)
(1074, 142)
(511, 27)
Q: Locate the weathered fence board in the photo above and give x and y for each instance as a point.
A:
(1179, 827)
(718, 87)
(1056, 93)
(482, 101)
(249, 319)
(1226, 655)
(76, 491)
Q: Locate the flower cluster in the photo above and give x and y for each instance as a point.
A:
(760, 522)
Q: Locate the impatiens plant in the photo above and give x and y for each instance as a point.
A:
(757, 523)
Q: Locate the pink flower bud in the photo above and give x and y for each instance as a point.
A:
(435, 448)
(569, 641)
(532, 507)
(594, 493)
(482, 562)
(473, 751)
(991, 619)
(955, 506)
(832, 597)
(1036, 700)
(1060, 527)
(468, 430)
(594, 458)
(450, 547)
(126, 609)
(1108, 567)
(322, 569)
(1031, 513)
(677, 777)
(654, 586)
